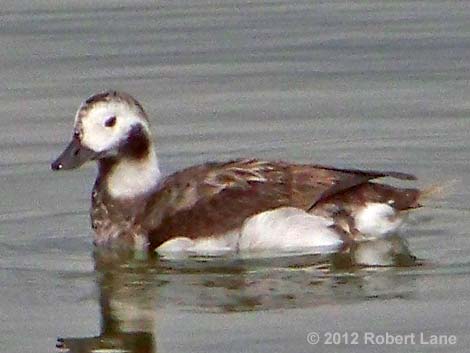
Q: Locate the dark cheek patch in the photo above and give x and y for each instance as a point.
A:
(137, 143)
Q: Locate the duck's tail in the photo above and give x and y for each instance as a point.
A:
(401, 199)
(438, 191)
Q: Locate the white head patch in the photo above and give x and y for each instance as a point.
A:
(103, 123)
(92, 124)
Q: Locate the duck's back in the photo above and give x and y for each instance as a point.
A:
(215, 198)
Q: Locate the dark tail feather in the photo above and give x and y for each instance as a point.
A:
(372, 174)
(399, 175)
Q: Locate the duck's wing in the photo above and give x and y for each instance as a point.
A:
(329, 181)
(214, 198)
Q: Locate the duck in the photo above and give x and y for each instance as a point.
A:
(221, 207)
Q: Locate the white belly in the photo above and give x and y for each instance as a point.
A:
(288, 229)
(281, 230)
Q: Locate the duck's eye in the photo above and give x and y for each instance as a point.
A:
(76, 135)
(110, 122)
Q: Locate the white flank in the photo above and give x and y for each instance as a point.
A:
(288, 229)
(214, 246)
(131, 178)
(377, 220)
(282, 230)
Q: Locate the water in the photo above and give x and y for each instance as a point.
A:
(380, 85)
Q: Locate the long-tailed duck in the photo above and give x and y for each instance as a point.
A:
(218, 207)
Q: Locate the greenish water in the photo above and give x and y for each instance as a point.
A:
(379, 85)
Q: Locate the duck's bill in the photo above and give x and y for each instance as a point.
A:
(73, 156)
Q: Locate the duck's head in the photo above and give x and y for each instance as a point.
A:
(107, 125)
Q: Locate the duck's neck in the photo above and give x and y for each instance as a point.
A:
(135, 172)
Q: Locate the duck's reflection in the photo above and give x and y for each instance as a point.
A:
(133, 290)
(127, 307)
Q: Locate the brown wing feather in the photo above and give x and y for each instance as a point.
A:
(219, 214)
(215, 198)
(328, 181)
(315, 183)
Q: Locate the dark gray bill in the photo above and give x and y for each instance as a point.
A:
(73, 156)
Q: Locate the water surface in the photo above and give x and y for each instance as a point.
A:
(380, 85)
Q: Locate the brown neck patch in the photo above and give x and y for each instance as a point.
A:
(137, 144)
(135, 147)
